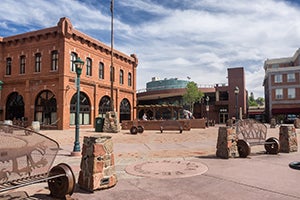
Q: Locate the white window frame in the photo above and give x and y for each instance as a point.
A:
(291, 93)
(278, 78)
(279, 93)
(291, 77)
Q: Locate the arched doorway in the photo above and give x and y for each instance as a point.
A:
(104, 105)
(46, 108)
(84, 109)
(14, 107)
(125, 110)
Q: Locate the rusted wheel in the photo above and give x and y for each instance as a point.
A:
(64, 185)
(272, 145)
(295, 165)
(140, 129)
(244, 148)
(134, 130)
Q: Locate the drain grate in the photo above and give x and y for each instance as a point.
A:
(167, 169)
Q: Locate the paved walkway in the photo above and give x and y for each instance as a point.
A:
(260, 176)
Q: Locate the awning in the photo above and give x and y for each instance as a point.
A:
(286, 111)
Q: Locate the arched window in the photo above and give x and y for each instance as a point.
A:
(125, 110)
(46, 108)
(38, 58)
(104, 105)
(121, 77)
(89, 67)
(8, 66)
(72, 65)
(84, 109)
(14, 106)
(54, 60)
(22, 64)
(129, 79)
(101, 70)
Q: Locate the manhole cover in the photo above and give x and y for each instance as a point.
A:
(167, 169)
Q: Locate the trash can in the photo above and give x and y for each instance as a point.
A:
(99, 122)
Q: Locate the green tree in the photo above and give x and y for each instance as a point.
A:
(192, 95)
(255, 102)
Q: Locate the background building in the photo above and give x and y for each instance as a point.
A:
(221, 103)
(282, 88)
(39, 76)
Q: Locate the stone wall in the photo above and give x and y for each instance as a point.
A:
(288, 139)
(97, 168)
(227, 143)
(156, 124)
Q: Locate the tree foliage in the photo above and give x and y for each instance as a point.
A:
(255, 102)
(192, 94)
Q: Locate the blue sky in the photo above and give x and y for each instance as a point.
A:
(175, 38)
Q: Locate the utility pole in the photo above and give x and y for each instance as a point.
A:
(112, 71)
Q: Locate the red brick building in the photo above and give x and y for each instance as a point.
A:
(39, 77)
(282, 88)
(222, 101)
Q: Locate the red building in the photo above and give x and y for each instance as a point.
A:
(282, 88)
(38, 76)
(223, 103)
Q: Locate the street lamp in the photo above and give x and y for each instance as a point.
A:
(236, 92)
(207, 109)
(79, 64)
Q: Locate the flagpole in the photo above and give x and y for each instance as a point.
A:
(112, 55)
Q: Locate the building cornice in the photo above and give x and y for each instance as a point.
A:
(65, 28)
(68, 31)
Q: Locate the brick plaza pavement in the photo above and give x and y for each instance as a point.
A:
(260, 176)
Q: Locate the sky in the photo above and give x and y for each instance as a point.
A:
(199, 39)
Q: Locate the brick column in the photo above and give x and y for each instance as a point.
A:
(227, 143)
(288, 139)
(97, 168)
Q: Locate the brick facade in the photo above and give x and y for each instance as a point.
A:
(37, 76)
(282, 90)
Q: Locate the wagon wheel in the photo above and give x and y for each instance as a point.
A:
(63, 185)
(243, 148)
(140, 129)
(295, 165)
(134, 130)
(272, 145)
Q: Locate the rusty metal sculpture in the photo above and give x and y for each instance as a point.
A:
(251, 132)
(26, 158)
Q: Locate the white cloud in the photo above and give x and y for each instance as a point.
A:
(179, 38)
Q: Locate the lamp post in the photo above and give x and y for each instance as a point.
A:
(236, 92)
(79, 64)
(207, 109)
(112, 56)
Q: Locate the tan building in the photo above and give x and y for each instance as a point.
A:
(282, 88)
(39, 78)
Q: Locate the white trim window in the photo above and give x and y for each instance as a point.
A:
(278, 78)
(279, 93)
(291, 93)
(291, 77)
